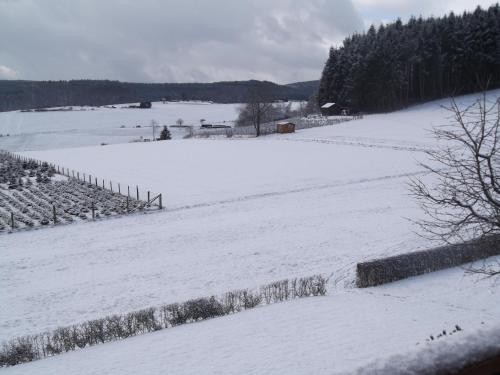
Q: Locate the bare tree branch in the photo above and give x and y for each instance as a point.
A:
(464, 201)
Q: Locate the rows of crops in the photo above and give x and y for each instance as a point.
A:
(33, 194)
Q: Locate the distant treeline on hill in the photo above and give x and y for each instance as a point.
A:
(16, 95)
(400, 64)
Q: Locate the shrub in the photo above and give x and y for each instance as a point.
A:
(116, 327)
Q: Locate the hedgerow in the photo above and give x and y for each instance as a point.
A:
(117, 327)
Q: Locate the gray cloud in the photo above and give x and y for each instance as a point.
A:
(7, 73)
(171, 41)
(178, 41)
(376, 11)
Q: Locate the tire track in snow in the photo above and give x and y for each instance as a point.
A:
(345, 142)
(294, 191)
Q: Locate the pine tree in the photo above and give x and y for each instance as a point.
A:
(400, 64)
(165, 134)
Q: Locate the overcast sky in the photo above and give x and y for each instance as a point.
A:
(188, 40)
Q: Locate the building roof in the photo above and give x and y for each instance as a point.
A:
(327, 105)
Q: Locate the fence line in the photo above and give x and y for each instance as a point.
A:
(132, 191)
(270, 127)
(59, 213)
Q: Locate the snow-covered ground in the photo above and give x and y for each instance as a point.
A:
(408, 129)
(59, 276)
(335, 334)
(241, 213)
(85, 126)
(190, 172)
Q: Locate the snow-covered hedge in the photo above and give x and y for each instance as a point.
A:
(116, 327)
(399, 267)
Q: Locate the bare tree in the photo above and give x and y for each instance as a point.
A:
(464, 202)
(179, 122)
(256, 111)
(312, 105)
(154, 125)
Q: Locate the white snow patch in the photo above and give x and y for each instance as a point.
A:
(323, 335)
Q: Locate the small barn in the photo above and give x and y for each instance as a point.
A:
(330, 109)
(285, 127)
(333, 109)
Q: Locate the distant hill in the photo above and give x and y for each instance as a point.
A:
(306, 88)
(15, 95)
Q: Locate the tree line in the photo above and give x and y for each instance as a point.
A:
(399, 64)
(15, 95)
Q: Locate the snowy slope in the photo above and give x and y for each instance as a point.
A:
(407, 129)
(241, 213)
(77, 272)
(190, 172)
(323, 335)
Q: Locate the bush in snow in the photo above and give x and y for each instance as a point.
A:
(116, 327)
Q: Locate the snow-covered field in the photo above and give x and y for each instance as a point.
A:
(241, 213)
(334, 334)
(86, 126)
(191, 172)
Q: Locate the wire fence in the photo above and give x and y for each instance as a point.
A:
(35, 193)
(271, 127)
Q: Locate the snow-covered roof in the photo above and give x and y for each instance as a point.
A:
(327, 105)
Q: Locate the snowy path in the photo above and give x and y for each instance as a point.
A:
(324, 335)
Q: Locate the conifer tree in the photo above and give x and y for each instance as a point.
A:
(165, 134)
(398, 64)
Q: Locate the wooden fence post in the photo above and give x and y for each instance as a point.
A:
(54, 214)
(93, 211)
(128, 191)
(137, 189)
(119, 190)
(159, 201)
(111, 186)
(12, 220)
(149, 196)
(127, 203)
